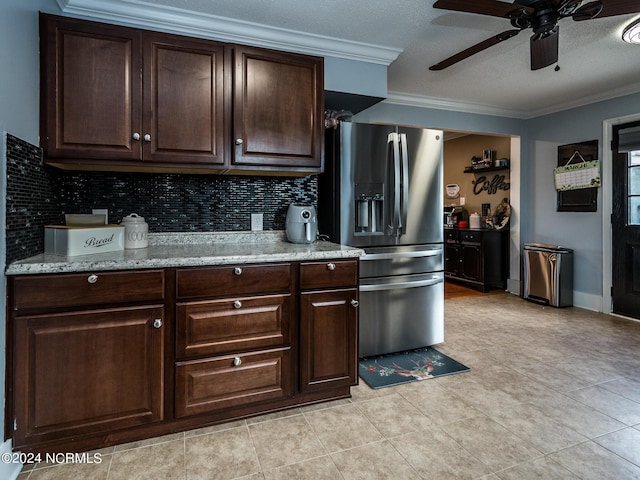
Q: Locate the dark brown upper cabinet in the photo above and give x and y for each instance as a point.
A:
(116, 96)
(278, 109)
(119, 98)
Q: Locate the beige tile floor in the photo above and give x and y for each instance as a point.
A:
(552, 394)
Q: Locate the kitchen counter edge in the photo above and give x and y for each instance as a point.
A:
(188, 250)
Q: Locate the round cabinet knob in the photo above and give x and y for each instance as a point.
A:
(237, 271)
(92, 278)
(136, 136)
(237, 304)
(157, 323)
(239, 141)
(331, 266)
(355, 303)
(237, 362)
(147, 138)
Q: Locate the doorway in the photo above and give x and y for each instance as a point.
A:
(457, 158)
(625, 220)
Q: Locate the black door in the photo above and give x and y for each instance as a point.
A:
(625, 220)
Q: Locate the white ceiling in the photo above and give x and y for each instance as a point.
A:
(595, 64)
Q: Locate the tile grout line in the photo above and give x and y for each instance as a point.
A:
(255, 450)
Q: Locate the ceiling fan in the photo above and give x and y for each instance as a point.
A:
(540, 15)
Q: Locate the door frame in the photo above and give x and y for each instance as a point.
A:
(607, 199)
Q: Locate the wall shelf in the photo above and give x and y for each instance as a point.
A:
(485, 169)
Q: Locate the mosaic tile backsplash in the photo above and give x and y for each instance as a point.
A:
(38, 195)
(31, 200)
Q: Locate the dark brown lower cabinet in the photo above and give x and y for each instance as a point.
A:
(328, 324)
(135, 354)
(87, 372)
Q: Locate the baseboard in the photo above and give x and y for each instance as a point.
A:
(8, 470)
(587, 301)
(624, 317)
(580, 300)
(514, 286)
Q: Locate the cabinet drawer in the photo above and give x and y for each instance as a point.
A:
(230, 325)
(332, 273)
(233, 280)
(232, 381)
(84, 289)
(470, 237)
(450, 235)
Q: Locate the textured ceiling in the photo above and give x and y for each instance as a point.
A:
(594, 62)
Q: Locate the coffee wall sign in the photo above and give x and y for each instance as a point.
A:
(483, 184)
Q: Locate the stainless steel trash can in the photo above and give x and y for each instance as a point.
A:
(548, 274)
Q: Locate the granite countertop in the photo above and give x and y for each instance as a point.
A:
(189, 250)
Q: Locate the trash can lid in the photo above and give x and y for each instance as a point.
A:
(543, 247)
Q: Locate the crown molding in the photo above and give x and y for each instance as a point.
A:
(600, 97)
(450, 105)
(143, 14)
(398, 98)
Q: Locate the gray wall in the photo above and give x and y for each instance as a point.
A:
(19, 112)
(580, 231)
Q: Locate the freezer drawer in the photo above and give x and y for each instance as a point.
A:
(401, 313)
(401, 260)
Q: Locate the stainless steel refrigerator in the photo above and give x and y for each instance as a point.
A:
(382, 190)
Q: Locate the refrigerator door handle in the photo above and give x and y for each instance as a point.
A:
(392, 255)
(394, 143)
(401, 285)
(404, 183)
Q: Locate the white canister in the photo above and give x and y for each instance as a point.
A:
(136, 231)
(474, 222)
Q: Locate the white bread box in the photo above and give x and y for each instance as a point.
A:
(70, 241)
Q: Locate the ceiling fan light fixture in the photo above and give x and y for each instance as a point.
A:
(631, 33)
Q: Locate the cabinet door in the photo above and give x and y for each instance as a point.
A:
(278, 108)
(86, 372)
(452, 259)
(471, 262)
(328, 339)
(183, 100)
(91, 86)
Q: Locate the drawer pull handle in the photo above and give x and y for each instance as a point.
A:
(237, 362)
(237, 271)
(157, 323)
(92, 279)
(331, 266)
(355, 303)
(237, 304)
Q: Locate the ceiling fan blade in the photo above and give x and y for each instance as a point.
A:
(610, 8)
(474, 49)
(544, 49)
(485, 7)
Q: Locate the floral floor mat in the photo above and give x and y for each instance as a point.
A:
(404, 367)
